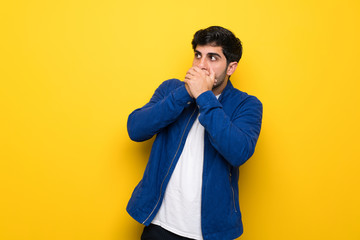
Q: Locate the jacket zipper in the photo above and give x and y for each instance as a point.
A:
(172, 161)
(233, 192)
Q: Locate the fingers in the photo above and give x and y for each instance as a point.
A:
(201, 71)
(212, 74)
(196, 71)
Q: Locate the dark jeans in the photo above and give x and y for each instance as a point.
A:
(155, 232)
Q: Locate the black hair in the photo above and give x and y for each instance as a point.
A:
(222, 37)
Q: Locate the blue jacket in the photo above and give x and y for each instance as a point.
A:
(232, 126)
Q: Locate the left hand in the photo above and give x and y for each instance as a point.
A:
(198, 81)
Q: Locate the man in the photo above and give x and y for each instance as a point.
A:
(205, 129)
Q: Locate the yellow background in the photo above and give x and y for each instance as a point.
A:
(72, 71)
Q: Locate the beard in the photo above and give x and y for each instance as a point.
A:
(220, 80)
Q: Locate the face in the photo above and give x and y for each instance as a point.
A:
(212, 57)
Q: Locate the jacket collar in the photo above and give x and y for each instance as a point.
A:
(226, 90)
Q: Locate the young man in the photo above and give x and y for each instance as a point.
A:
(205, 129)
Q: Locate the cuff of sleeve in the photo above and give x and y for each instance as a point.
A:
(207, 100)
(182, 96)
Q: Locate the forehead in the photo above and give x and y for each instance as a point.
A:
(207, 49)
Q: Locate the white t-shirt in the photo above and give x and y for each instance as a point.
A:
(180, 211)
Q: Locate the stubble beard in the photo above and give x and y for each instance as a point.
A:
(219, 81)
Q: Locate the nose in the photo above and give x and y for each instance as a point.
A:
(202, 63)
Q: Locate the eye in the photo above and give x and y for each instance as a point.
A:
(213, 58)
(197, 55)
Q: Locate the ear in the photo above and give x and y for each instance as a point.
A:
(231, 68)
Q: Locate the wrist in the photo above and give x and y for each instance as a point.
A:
(188, 90)
(196, 95)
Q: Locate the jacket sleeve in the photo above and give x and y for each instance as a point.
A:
(233, 137)
(167, 103)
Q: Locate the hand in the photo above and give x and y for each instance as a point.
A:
(198, 81)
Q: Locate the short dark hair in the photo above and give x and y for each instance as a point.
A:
(222, 37)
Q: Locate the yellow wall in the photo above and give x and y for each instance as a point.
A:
(71, 72)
